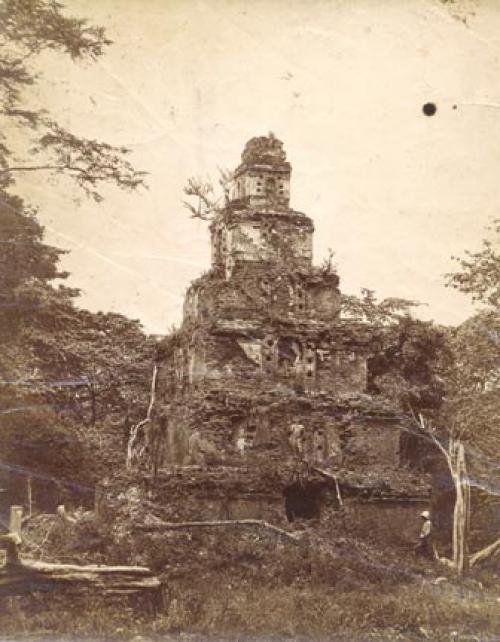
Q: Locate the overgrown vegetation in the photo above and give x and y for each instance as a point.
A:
(70, 380)
(73, 382)
(346, 589)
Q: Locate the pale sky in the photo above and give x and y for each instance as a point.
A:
(342, 83)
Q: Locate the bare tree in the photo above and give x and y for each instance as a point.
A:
(454, 455)
(452, 448)
(206, 202)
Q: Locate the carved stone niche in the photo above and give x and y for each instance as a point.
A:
(317, 442)
(289, 353)
(309, 365)
(269, 353)
(252, 431)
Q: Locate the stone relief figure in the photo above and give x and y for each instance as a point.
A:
(200, 450)
(319, 447)
(240, 443)
(297, 439)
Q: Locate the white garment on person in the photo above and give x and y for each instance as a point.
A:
(426, 529)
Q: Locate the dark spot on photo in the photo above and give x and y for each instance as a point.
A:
(429, 109)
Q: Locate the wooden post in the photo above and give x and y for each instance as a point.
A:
(10, 544)
(15, 521)
(10, 541)
(30, 496)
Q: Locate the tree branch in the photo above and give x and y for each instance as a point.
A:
(428, 431)
(135, 429)
(175, 526)
(484, 553)
(329, 475)
(36, 168)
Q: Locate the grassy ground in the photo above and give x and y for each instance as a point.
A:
(243, 586)
(416, 612)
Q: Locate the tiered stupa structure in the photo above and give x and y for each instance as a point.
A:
(264, 373)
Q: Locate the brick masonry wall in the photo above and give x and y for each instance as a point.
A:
(372, 442)
(243, 423)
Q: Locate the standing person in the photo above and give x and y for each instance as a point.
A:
(424, 545)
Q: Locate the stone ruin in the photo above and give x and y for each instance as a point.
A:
(262, 390)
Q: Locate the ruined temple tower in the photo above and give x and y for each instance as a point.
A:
(265, 371)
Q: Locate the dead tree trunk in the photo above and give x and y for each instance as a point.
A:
(29, 490)
(31, 575)
(132, 451)
(454, 455)
(462, 506)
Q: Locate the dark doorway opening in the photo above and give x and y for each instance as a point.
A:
(302, 501)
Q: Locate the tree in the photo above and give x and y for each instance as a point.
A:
(367, 309)
(466, 430)
(51, 350)
(407, 366)
(479, 272)
(457, 450)
(96, 363)
(406, 353)
(51, 453)
(453, 451)
(29, 266)
(25, 262)
(207, 202)
(29, 27)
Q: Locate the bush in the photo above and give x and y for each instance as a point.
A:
(36, 443)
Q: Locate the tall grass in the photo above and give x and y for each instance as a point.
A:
(220, 608)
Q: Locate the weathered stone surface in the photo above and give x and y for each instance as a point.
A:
(264, 373)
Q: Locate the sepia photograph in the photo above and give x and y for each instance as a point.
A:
(250, 320)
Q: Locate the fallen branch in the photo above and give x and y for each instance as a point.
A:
(258, 523)
(324, 473)
(329, 475)
(484, 553)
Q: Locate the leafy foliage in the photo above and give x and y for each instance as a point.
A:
(479, 273)
(366, 308)
(407, 353)
(62, 369)
(408, 366)
(473, 381)
(35, 25)
(466, 428)
(27, 28)
(474, 377)
(36, 443)
(25, 262)
(97, 365)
